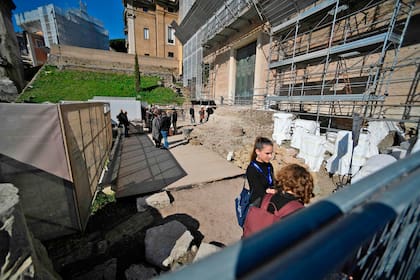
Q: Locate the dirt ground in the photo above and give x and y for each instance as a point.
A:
(212, 205)
(234, 129)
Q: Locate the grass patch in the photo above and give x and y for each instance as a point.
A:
(53, 85)
(101, 200)
(161, 96)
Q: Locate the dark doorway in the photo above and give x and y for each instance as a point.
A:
(245, 69)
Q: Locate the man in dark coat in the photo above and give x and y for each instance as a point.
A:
(164, 129)
(174, 120)
(192, 114)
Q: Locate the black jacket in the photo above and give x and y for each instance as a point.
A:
(165, 123)
(258, 182)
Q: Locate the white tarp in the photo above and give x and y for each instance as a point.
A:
(282, 124)
(301, 128)
(372, 165)
(379, 129)
(364, 150)
(416, 146)
(129, 104)
(339, 163)
(312, 150)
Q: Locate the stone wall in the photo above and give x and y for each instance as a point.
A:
(21, 256)
(71, 57)
(11, 68)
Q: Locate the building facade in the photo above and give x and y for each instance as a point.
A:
(72, 27)
(328, 57)
(32, 49)
(149, 30)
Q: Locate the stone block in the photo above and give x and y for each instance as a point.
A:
(8, 90)
(157, 201)
(205, 250)
(140, 272)
(21, 256)
(160, 241)
(108, 191)
(180, 248)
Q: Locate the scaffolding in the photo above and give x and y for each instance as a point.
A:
(335, 58)
(205, 25)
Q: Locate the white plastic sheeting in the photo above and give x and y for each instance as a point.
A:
(416, 147)
(312, 150)
(364, 150)
(339, 163)
(379, 129)
(129, 104)
(301, 129)
(367, 147)
(282, 124)
(372, 165)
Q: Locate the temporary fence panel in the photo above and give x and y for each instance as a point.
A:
(47, 151)
(88, 148)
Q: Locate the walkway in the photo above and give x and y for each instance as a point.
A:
(146, 169)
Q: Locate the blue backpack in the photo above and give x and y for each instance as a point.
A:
(242, 203)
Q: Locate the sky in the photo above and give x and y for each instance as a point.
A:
(110, 12)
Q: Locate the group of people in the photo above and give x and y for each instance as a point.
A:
(203, 112)
(161, 124)
(282, 193)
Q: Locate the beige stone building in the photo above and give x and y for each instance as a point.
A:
(148, 28)
(323, 59)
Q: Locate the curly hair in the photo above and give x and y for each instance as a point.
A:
(296, 179)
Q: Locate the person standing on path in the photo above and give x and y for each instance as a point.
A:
(260, 171)
(192, 114)
(202, 113)
(209, 111)
(126, 123)
(156, 123)
(164, 129)
(174, 120)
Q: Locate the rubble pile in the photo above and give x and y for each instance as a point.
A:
(142, 245)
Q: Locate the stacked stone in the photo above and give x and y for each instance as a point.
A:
(21, 256)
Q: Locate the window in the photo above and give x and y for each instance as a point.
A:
(146, 33)
(146, 54)
(171, 10)
(170, 54)
(171, 35)
(145, 10)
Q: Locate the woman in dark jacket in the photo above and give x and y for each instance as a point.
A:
(156, 123)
